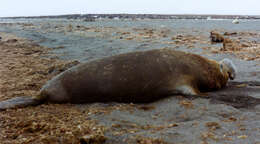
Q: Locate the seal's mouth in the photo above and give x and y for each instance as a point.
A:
(231, 76)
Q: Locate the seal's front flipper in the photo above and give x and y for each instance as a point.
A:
(186, 90)
(19, 102)
(189, 91)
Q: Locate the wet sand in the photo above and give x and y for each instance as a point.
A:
(32, 52)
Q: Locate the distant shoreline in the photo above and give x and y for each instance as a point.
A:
(141, 16)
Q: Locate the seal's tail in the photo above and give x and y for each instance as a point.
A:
(19, 102)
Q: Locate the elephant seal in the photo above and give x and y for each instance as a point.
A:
(142, 76)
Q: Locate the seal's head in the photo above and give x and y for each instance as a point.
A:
(228, 68)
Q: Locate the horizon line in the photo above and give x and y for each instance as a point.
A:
(188, 14)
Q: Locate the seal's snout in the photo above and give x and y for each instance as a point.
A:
(230, 68)
(231, 76)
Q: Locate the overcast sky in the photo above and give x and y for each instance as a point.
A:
(57, 7)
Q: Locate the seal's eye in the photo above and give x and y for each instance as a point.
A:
(221, 66)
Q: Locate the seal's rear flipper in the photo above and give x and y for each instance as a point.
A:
(19, 102)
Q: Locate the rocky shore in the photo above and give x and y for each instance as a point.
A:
(33, 51)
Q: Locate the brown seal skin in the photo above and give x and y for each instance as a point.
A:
(143, 76)
(135, 77)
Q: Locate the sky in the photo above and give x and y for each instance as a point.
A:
(9, 8)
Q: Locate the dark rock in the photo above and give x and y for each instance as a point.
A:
(89, 19)
(230, 33)
(12, 40)
(216, 37)
(93, 139)
(230, 45)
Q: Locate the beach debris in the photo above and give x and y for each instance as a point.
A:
(93, 139)
(89, 19)
(242, 85)
(59, 47)
(230, 119)
(146, 107)
(173, 125)
(216, 37)
(230, 45)
(147, 140)
(242, 136)
(209, 135)
(230, 33)
(69, 28)
(235, 21)
(177, 37)
(186, 103)
(213, 125)
(244, 48)
(11, 40)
